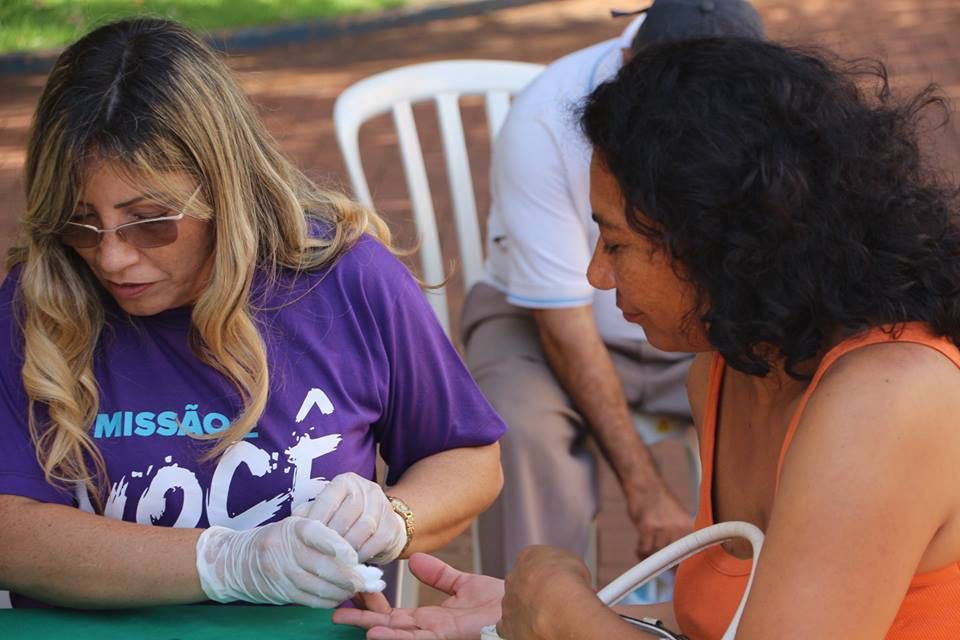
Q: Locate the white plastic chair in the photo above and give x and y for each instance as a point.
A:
(395, 91)
(443, 83)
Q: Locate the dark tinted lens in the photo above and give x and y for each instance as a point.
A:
(79, 237)
(152, 233)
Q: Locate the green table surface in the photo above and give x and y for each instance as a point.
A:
(196, 622)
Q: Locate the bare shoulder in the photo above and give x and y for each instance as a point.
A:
(872, 466)
(892, 397)
(866, 497)
(910, 376)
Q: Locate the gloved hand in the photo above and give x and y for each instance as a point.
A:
(358, 510)
(294, 560)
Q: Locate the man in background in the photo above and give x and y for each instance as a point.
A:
(554, 356)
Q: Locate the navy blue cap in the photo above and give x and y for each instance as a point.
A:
(669, 20)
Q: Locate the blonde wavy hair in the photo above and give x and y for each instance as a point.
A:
(148, 95)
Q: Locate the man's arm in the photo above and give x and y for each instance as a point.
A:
(584, 368)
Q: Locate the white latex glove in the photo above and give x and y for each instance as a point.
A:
(294, 560)
(358, 510)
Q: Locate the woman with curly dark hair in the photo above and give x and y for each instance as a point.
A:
(772, 211)
(759, 206)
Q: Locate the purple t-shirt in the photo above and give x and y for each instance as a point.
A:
(356, 359)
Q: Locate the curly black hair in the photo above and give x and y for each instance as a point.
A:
(791, 189)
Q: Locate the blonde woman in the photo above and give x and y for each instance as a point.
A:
(202, 352)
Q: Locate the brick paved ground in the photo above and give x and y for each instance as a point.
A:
(295, 88)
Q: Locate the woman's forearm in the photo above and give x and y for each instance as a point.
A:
(67, 557)
(590, 619)
(447, 490)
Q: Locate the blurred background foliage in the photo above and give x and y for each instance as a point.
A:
(37, 25)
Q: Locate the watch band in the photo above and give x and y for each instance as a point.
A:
(653, 627)
(401, 509)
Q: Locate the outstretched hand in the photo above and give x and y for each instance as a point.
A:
(474, 603)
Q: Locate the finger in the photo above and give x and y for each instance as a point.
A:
(363, 529)
(650, 539)
(329, 500)
(360, 618)
(649, 547)
(375, 602)
(395, 619)
(320, 587)
(312, 600)
(386, 535)
(435, 573)
(322, 538)
(330, 570)
(644, 547)
(374, 545)
(331, 559)
(641, 548)
(389, 633)
(302, 511)
(668, 536)
(352, 508)
(327, 579)
(658, 542)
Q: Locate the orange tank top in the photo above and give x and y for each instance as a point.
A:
(709, 585)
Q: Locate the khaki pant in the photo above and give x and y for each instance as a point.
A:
(550, 491)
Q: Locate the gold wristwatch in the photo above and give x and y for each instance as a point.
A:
(401, 509)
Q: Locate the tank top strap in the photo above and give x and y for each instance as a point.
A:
(913, 332)
(708, 435)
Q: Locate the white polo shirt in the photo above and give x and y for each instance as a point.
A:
(540, 234)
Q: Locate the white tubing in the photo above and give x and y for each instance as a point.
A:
(672, 555)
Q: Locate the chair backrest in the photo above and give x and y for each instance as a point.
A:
(443, 82)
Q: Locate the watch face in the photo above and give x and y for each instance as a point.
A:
(401, 508)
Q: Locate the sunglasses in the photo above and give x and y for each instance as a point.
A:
(143, 234)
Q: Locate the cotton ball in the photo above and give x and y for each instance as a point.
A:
(372, 579)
